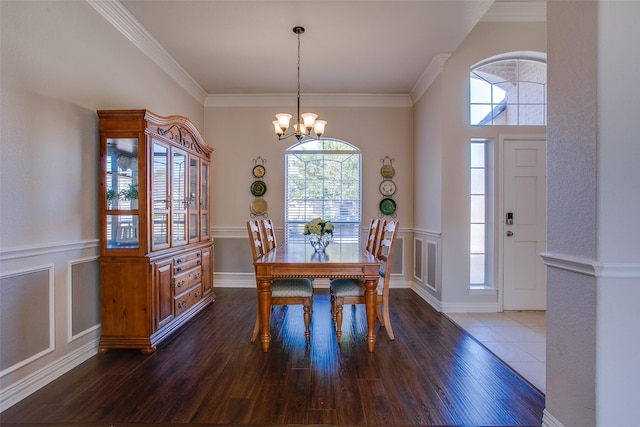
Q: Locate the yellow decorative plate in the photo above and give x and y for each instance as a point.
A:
(387, 171)
(258, 206)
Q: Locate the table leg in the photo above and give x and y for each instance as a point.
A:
(370, 297)
(264, 308)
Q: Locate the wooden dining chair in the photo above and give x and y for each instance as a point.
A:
(284, 291)
(351, 291)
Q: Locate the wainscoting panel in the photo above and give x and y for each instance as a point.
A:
(26, 317)
(85, 297)
(432, 265)
(426, 267)
(233, 255)
(417, 259)
(49, 314)
(397, 266)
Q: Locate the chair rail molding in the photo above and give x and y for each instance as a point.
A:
(47, 249)
(591, 267)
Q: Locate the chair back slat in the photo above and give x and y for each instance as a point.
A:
(374, 236)
(255, 238)
(269, 235)
(387, 246)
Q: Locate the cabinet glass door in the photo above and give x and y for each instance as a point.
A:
(121, 182)
(179, 200)
(160, 195)
(194, 200)
(204, 201)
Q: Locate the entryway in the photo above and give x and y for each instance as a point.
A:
(518, 338)
(523, 224)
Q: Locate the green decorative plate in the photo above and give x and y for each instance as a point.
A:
(258, 188)
(387, 206)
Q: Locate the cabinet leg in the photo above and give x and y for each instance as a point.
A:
(148, 350)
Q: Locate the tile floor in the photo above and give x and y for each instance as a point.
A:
(516, 337)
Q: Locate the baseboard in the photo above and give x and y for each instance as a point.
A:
(17, 391)
(234, 280)
(549, 421)
(425, 295)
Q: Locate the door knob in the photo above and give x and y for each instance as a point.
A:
(509, 233)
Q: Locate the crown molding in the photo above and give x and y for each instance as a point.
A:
(130, 27)
(118, 16)
(310, 100)
(427, 77)
(516, 11)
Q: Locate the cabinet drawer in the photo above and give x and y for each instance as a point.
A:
(187, 299)
(183, 281)
(186, 261)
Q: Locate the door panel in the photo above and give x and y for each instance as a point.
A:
(524, 216)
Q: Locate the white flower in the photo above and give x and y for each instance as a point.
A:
(318, 226)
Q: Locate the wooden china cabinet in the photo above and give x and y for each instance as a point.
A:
(156, 253)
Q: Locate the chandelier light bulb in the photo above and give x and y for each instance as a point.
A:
(309, 120)
(283, 121)
(277, 128)
(319, 127)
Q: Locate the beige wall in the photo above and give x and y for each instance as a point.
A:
(61, 61)
(240, 135)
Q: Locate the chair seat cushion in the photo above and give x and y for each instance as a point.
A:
(350, 287)
(292, 287)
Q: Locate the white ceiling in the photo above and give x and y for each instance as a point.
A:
(248, 46)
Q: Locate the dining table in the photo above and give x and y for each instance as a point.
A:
(338, 260)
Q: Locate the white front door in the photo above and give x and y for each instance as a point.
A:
(524, 224)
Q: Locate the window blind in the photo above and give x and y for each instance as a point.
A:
(323, 180)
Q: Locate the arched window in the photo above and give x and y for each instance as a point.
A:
(322, 179)
(509, 90)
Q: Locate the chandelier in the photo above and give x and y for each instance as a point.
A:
(306, 122)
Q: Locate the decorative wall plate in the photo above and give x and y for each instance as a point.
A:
(387, 187)
(258, 206)
(387, 206)
(387, 171)
(258, 188)
(259, 171)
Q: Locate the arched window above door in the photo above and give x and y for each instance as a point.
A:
(509, 90)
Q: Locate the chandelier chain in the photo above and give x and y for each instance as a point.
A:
(298, 33)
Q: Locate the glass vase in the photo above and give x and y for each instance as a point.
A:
(319, 241)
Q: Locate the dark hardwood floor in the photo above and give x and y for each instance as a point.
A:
(210, 374)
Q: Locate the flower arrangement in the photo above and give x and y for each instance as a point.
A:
(318, 226)
(320, 232)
